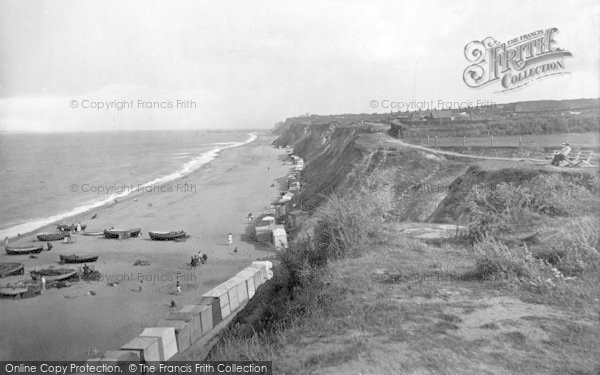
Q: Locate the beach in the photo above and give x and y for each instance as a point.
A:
(88, 318)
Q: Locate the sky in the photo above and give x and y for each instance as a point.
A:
(79, 65)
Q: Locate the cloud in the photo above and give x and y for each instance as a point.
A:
(251, 65)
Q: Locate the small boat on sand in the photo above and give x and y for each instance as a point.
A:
(78, 259)
(99, 233)
(12, 292)
(167, 236)
(9, 269)
(23, 250)
(54, 274)
(122, 233)
(52, 236)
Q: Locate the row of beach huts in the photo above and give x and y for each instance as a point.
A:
(179, 330)
(283, 214)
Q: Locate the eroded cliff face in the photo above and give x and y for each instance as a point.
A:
(427, 188)
(331, 155)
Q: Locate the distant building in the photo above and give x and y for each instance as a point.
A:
(442, 114)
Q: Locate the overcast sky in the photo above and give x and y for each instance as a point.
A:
(253, 63)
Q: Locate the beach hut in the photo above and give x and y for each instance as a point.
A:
(167, 343)
(279, 237)
(192, 320)
(247, 274)
(268, 219)
(147, 348)
(239, 280)
(287, 196)
(279, 209)
(222, 294)
(267, 265)
(205, 313)
(183, 332)
(215, 307)
(262, 230)
(232, 291)
(263, 273)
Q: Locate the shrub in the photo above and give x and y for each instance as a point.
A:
(496, 261)
(572, 247)
(506, 206)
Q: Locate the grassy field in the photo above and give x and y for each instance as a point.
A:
(577, 140)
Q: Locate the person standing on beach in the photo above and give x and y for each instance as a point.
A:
(178, 286)
(43, 284)
(230, 238)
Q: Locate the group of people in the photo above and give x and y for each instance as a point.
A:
(199, 258)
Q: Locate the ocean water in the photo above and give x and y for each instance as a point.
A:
(47, 177)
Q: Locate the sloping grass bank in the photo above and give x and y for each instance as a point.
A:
(351, 295)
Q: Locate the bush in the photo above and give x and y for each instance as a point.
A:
(507, 207)
(496, 261)
(571, 247)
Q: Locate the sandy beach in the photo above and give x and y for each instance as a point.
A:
(74, 324)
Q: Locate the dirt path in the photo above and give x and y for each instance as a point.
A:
(451, 153)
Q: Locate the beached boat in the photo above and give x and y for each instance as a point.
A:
(12, 292)
(78, 259)
(23, 250)
(9, 269)
(120, 233)
(68, 228)
(166, 236)
(52, 236)
(54, 274)
(100, 233)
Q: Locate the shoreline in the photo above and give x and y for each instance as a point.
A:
(134, 194)
(92, 316)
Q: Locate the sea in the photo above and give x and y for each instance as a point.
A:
(45, 178)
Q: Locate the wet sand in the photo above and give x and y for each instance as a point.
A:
(74, 324)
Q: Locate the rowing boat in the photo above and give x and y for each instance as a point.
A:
(23, 250)
(54, 274)
(166, 236)
(122, 233)
(12, 292)
(9, 269)
(100, 233)
(52, 236)
(78, 259)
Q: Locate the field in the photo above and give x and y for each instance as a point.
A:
(576, 140)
